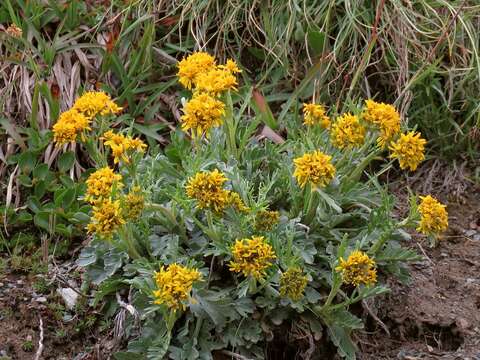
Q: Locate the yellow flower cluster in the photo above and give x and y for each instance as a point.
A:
(358, 269)
(77, 120)
(385, 116)
(265, 220)
(293, 283)
(315, 167)
(315, 114)
(252, 257)
(106, 218)
(207, 188)
(409, 150)
(434, 216)
(70, 124)
(100, 185)
(201, 113)
(347, 132)
(122, 146)
(92, 103)
(174, 284)
(134, 203)
(14, 31)
(208, 80)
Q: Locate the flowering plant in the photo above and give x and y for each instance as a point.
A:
(225, 237)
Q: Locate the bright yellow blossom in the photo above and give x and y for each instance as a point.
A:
(293, 283)
(434, 216)
(409, 149)
(252, 257)
(106, 218)
(174, 284)
(100, 184)
(216, 81)
(385, 116)
(358, 269)
(231, 66)
(134, 203)
(122, 146)
(92, 103)
(192, 66)
(347, 132)
(235, 201)
(202, 113)
(315, 114)
(265, 220)
(69, 125)
(207, 189)
(315, 167)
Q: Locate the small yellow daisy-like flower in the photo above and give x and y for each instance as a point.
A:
(235, 201)
(434, 218)
(70, 124)
(202, 113)
(385, 116)
(409, 149)
(314, 114)
(192, 66)
(347, 132)
(252, 257)
(174, 284)
(358, 269)
(216, 81)
(106, 218)
(315, 167)
(293, 283)
(122, 145)
(92, 103)
(207, 188)
(100, 184)
(134, 203)
(14, 31)
(265, 220)
(231, 66)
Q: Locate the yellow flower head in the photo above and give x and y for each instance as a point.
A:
(207, 189)
(235, 201)
(216, 81)
(347, 132)
(293, 283)
(358, 269)
(134, 203)
(70, 124)
(122, 146)
(92, 103)
(202, 113)
(434, 218)
(174, 284)
(252, 257)
(231, 66)
(100, 184)
(106, 218)
(409, 150)
(192, 66)
(385, 116)
(314, 114)
(315, 167)
(265, 220)
(14, 31)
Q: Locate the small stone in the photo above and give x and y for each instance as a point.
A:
(1, 284)
(463, 324)
(69, 296)
(476, 237)
(41, 299)
(19, 282)
(470, 232)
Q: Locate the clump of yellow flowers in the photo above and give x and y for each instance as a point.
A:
(315, 168)
(122, 146)
(174, 284)
(358, 269)
(208, 81)
(265, 220)
(434, 216)
(106, 219)
(252, 257)
(385, 116)
(347, 132)
(93, 103)
(134, 203)
(293, 283)
(206, 188)
(409, 150)
(100, 184)
(315, 114)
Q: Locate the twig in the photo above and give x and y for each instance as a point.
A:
(235, 355)
(40, 341)
(375, 317)
(425, 254)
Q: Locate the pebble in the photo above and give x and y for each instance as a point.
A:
(476, 237)
(41, 299)
(470, 232)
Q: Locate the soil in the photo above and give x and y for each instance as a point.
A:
(435, 316)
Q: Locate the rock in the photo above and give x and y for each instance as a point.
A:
(69, 297)
(41, 299)
(463, 324)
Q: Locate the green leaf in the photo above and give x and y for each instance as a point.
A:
(27, 161)
(42, 220)
(341, 338)
(65, 161)
(41, 171)
(39, 189)
(316, 41)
